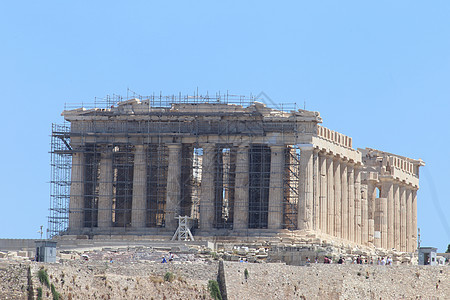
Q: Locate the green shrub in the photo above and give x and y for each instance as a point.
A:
(43, 277)
(55, 294)
(169, 277)
(213, 287)
(39, 293)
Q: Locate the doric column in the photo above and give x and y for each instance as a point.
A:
(397, 216)
(330, 195)
(240, 219)
(371, 231)
(380, 223)
(323, 191)
(387, 191)
(403, 235)
(414, 219)
(173, 191)
(337, 197)
(353, 215)
(76, 204)
(371, 195)
(275, 216)
(344, 202)
(360, 210)
(207, 187)
(409, 224)
(305, 217)
(316, 190)
(105, 188)
(138, 205)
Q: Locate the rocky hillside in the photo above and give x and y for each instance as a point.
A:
(139, 274)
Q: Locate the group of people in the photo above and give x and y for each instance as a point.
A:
(383, 261)
(170, 258)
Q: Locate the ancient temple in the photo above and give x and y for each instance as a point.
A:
(236, 169)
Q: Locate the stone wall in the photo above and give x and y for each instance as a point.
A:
(17, 244)
(320, 281)
(78, 279)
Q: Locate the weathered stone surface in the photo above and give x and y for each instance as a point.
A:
(320, 281)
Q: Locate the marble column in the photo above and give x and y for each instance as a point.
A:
(409, 233)
(371, 227)
(371, 195)
(330, 195)
(380, 223)
(337, 197)
(403, 235)
(240, 219)
(316, 191)
(275, 215)
(397, 216)
(173, 192)
(76, 204)
(387, 191)
(353, 215)
(344, 202)
(105, 196)
(360, 210)
(139, 202)
(414, 219)
(207, 187)
(323, 192)
(305, 213)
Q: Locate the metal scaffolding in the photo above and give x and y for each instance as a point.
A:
(122, 158)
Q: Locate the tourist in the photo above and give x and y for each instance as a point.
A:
(389, 261)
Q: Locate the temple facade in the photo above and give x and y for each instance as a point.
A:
(236, 170)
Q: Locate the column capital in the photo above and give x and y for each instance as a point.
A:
(336, 158)
(344, 162)
(277, 147)
(329, 156)
(174, 146)
(242, 145)
(208, 146)
(402, 184)
(322, 153)
(304, 147)
(358, 165)
(106, 148)
(140, 147)
(385, 178)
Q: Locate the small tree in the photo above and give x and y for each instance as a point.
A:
(43, 277)
(213, 287)
(448, 249)
(55, 294)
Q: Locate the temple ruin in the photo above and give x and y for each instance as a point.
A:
(237, 167)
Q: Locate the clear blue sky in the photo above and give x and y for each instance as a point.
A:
(378, 72)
